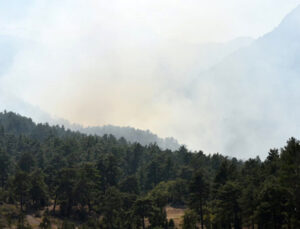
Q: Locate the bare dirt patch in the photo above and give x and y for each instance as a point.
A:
(33, 221)
(176, 214)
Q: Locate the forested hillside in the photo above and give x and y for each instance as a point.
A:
(71, 179)
(144, 137)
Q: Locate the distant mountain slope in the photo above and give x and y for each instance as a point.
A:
(144, 137)
(192, 59)
(20, 125)
(182, 58)
(254, 94)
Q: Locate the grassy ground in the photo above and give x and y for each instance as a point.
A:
(34, 220)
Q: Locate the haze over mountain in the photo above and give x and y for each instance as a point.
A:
(130, 134)
(150, 114)
(96, 64)
(253, 94)
(196, 58)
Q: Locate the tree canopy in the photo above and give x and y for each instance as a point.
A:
(105, 182)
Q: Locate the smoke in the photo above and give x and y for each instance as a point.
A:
(136, 63)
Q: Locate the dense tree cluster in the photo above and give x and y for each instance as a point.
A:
(104, 182)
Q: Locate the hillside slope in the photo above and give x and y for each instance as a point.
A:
(254, 92)
(20, 125)
(144, 137)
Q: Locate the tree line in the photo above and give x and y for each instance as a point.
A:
(104, 182)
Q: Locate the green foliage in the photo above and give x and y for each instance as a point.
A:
(228, 211)
(108, 167)
(142, 209)
(67, 225)
(190, 219)
(26, 162)
(130, 185)
(104, 182)
(38, 190)
(158, 218)
(21, 187)
(112, 202)
(66, 182)
(171, 224)
(271, 205)
(92, 222)
(199, 191)
(4, 167)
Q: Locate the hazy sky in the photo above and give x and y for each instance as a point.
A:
(189, 21)
(120, 62)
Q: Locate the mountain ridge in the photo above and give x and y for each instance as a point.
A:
(130, 134)
(248, 89)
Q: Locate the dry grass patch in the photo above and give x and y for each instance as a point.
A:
(176, 214)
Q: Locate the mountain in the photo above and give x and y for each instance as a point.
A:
(192, 59)
(91, 178)
(10, 102)
(253, 94)
(200, 56)
(18, 124)
(144, 137)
